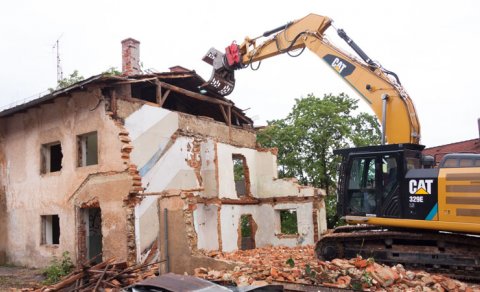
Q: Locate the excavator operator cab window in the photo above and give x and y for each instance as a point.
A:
(412, 163)
(361, 186)
(389, 174)
(373, 186)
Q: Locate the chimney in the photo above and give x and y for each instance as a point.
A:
(130, 57)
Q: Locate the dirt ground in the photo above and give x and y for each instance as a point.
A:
(13, 278)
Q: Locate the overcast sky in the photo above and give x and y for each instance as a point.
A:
(433, 46)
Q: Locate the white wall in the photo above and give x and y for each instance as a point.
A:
(205, 218)
(264, 217)
(264, 182)
(163, 164)
(225, 169)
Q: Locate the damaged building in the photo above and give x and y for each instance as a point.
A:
(142, 165)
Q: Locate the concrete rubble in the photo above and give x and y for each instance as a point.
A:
(299, 265)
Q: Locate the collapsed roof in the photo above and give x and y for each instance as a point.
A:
(178, 90)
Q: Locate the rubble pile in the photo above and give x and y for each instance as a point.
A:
(299, 265)
(107, 275)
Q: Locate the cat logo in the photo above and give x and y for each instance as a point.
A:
(343, 67)
(338, 65)
(420, 186)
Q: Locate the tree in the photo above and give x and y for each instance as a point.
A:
(112, 71)
(307, 137)
(76, 77)
(70, 80)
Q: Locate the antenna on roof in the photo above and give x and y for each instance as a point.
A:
(59, 67)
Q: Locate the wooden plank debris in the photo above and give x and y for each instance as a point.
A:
(103, 276)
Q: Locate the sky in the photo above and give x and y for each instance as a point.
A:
(432, 46)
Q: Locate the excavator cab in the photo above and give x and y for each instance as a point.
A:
(373, 179)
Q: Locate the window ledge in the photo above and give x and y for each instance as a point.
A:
(46, 245)
(52, 173)
(283, 235)
(88, 166)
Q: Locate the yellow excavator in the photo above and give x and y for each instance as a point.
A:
(399, 208)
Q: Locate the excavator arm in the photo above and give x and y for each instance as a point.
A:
(380, 88)
(391, 186)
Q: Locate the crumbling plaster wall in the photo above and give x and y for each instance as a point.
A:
(3, 200)
(176, 151)
(30, 194)
(173, 151)
(264, 182)
(162, 161)
(181, 257)
(265, 218)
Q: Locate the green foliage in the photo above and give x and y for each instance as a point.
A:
(333, 220)
(307, 137)
(68, 81)
(356, 285)
(245, 226)
(288, 222)
(290, 262)
(367, 278)
(309, 272)
(58, 268)
(112, 71)
(238, 171)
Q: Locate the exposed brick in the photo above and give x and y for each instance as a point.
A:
(127, 148)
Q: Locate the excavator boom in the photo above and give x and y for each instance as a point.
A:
(380, 88)
(409, 212)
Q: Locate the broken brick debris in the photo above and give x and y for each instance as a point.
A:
(299, 265)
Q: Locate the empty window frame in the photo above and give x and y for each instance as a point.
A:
(51, 155)
(286, 221)
(240, 174)
(50, 229)
(87, 149)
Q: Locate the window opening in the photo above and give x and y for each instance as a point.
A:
(247, 232)
(87, 149)
(288, 221)
(51, 157)
(240, 174)
(50, 229)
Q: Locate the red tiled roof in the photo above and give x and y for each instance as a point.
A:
(468, 146)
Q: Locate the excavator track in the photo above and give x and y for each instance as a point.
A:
(452, 254)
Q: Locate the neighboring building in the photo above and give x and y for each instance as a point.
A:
(104, 165)
(468, 146)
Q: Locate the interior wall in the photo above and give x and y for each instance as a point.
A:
(264, 216)
(180, 238)
(205, 218)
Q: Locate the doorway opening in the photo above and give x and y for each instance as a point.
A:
(246, 232)
(90, 234)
